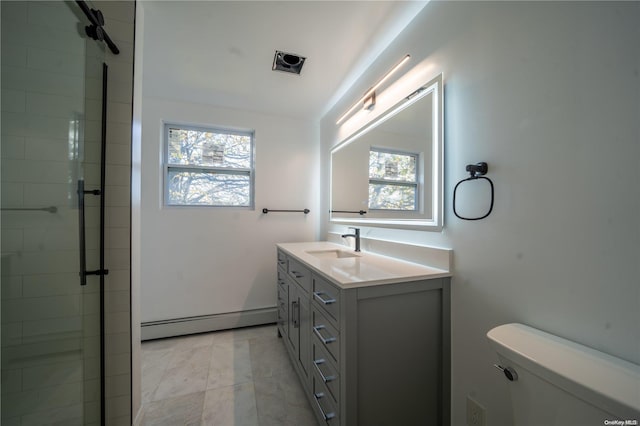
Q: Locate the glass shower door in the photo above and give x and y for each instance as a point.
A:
(51, 144)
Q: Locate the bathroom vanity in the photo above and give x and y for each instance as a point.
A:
(369, 335)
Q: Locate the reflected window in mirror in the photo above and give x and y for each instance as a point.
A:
(393, 180)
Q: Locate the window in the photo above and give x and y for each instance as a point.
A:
(393, 180)
(208, 167)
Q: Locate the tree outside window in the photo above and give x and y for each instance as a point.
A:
(208, 167)
(393, 180)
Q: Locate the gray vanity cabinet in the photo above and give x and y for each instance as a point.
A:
(377, 354)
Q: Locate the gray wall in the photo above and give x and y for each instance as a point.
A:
(548, 94)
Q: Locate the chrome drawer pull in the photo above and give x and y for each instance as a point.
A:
(317, 329)
(297, 274)
(325, 416)
(325, 379)
(317, 294)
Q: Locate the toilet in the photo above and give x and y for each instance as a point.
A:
(553, 381)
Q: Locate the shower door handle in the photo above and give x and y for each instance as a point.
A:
(82, 234)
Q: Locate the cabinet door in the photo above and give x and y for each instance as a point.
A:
(293, 332)
(283, 307)
(299, 333)
(305, 336)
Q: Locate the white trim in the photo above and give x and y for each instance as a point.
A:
(205, 323)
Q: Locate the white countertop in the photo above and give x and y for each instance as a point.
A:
(365, 269)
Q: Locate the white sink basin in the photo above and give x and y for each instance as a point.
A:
(333, 254)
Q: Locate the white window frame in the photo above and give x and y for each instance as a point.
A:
(208, 169)
(382, 181)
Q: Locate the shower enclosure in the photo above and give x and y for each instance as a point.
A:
(52, 222)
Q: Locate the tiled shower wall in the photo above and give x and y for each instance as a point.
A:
(42, 314)
(50, 325)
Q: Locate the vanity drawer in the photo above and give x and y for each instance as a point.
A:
(281, 277)
(324, 405)
(282, 260)
(326, 335)
(326, 370)
(300, 273)
(283, 306)
(283, 297)
(327, 296)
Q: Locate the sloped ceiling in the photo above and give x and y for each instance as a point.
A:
(221, 52)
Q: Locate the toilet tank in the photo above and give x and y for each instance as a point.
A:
(560, 382)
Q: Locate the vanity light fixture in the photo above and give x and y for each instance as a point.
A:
(368, 101)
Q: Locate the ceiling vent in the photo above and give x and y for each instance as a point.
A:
(288, 62)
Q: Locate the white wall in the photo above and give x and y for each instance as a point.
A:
(548, 94)
(203, 261)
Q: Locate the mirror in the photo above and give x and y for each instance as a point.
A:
(389, 172)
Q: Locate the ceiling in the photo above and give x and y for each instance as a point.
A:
(221, 52)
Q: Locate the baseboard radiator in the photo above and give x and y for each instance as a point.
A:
(205, 323)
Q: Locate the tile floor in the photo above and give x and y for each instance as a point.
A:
(241, 377)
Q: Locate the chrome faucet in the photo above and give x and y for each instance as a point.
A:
(355, 235)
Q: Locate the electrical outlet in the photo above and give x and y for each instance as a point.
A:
(475, 413)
